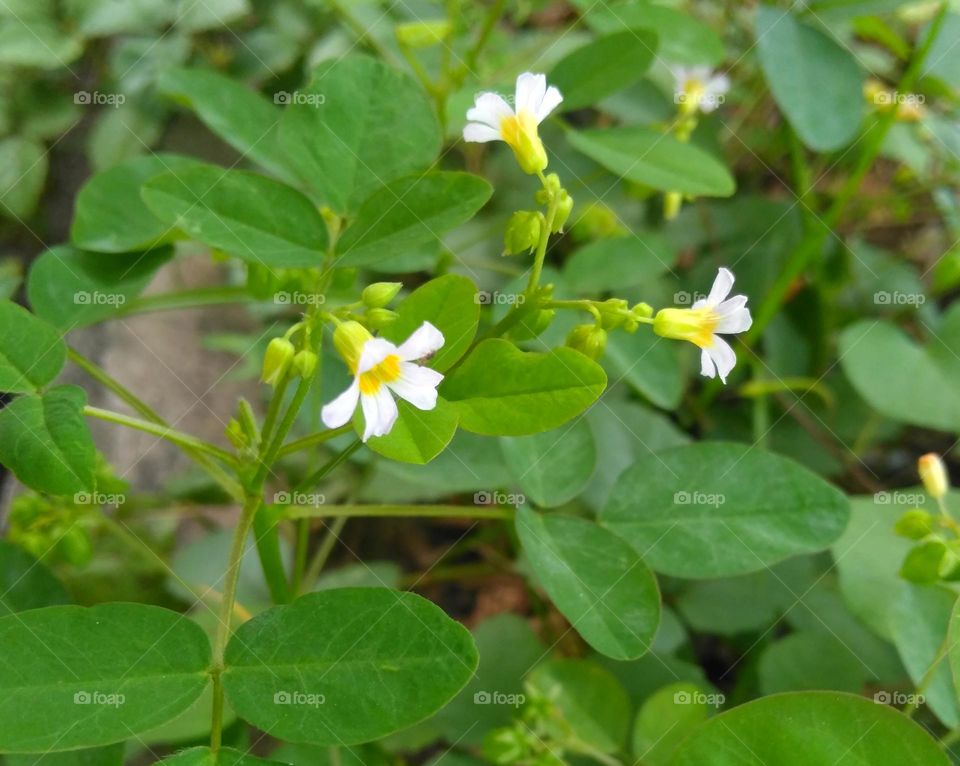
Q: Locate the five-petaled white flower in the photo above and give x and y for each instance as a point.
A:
(492, 119)
(379, 367)
(705, 321)
(698, 87)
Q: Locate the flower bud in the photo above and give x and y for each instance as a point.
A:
(672, 202)
(694, 325)
(305, 363)
(523, 232)
(277, 360)
(613, 313)
(564, 208)
(349, 339)
(642, 311)
(532, 324)
(236, 434)
(589, 339)
(380, 318)
(379, 294)
(914, 525)
(933, 474)
(422, 34)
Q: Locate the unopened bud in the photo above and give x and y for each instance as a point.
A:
(305, 363)
(379, 294)
(377, 319)
(523, 232)
(672, 202)
(589, 339)
(422, 34)
(277, 360)
(914, 525)
(564, 208)
(933, 474)
(613, 313)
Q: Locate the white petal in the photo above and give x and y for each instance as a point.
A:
(480, 133)
(374, 351)
(680, 76)
(531, 88)
(734, 316)
(707, 368)
(551, 100)
(379, 413)
(490, 109)
(425, 340)
(418, 385)
(340, 410)
(722, 356)
(721, 287)
(718, 85)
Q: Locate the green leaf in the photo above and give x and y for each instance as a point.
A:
(45, 441)
(656, 160)
(25, 583)
(804, 728)
(31, 351)
(241, 117)
(666, 718)
(23, 172)
(36, 42)
(501, 390)
(111, 755)
(602, 67)
(418, 436)
(357, 125)
(648, 364)
(202, 756)
(595, 579)
(451, 305)
(807, 661)
(552, 467)
(408, 213)
(210, 14)
(717, 509)
(590, 699)
(253, 217)
(815, 81)
(110, 217)
(341, 667)
(902, 380)
(80, 677)
(618, 263)
(71, 288)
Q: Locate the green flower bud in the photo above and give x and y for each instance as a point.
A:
(532, 325)
(642, 311)
(915, 524)
(305, 363)
(377, 319)
(236, 434)
(277, 360)
(248, 420)
(672, 202)
(923, 562)
(613, 313)
(422, 34)
(523, 232)
(564, 208)
(589, 339)
(505, 746)
(379, 294)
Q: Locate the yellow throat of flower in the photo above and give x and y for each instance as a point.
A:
(386, 371)
(693, 93)
(694, 325)
(349, 339)
(520, 133)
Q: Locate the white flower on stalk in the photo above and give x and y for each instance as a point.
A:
(705, 322)
(698, 87)
(381, 369)
(492, 119)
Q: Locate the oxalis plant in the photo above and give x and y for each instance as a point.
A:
(681, 602)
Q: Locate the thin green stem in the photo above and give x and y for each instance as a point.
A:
(187, 299)
(320, 474)
(313, 440)
(397, 511)
(320, 558)
(273, 412)
(545, 231)
(300, 555)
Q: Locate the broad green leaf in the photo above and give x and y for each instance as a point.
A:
(450, 304)
(647, 363)
(110, 755)
(815, 81)
(357, 125)
(604, 66)
(123, 133)
(346, 666)
(901, 379)
(589, 698)
(409, 213)
(920, 619)
(804, 728)
(36, 42)
(103, 18)
(71, 288)
(619, 263)
(23, 172)
(554, 466)
(418, 436)
(656, 160)
(953, 642)
(45, 441)
(253, 217)
(717, 509)
(943, 60)
(595, 579)
(209, 14)
(25, 583)
(808, 661)
(666, 718)
(31, 351)
(319, 755)
(109, 215)
(80, 677)
(202, 756)
(241, 117)
(501, 390)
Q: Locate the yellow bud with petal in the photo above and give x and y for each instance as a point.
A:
(694, 325)
(933, 474)
(349, 339)
(277, 360)
(521, 134)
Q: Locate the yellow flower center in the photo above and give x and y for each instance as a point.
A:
(694, 325)
(386, 371)
(520, 133)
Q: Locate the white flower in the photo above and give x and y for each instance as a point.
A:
(705, 321)
(699, 88)
(492, 119)
(379, 368)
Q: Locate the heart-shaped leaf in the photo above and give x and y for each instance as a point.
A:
(418, 436)
(32, 352)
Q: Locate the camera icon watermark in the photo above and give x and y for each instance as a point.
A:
(496, 298)
(98, 698)
(713, 499)
(288, 98)
(684, 298)
(96, 298)
(495, 497)
(897, 298)
(899, 699)
(299, 299)
(96, 98)
(499, 698)
(699, 698)
(313, 499)
(113, 500)
(298, 698)
(899, 498)
(889, 98)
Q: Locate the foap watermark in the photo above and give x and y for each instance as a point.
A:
(113, 500)
(898, 699)
(96, 298)
(899, 498)
(699, 698)
(314, 499)
(888, 98)
(299, 299)
(299, 698)
(287, 98)
(496, 298)
(683, 298)
(96, 98)
(98, 698)
(513, 499)
(498, 698)
(897, 298)
(714, 499)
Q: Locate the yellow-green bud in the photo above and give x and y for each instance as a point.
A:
(589, 339)
(613, 313)
(422, 34)
(380, 318)
(523, 232)
(379, 294)
(236, 434)
(349, 339)
(915, 524)
(277, 360)
(305, 363)
(933, 474)
(532, 324)
(596, 221)
(642, 311)
(672, 202)
(564, 208)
